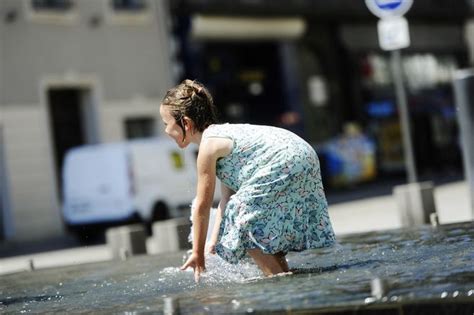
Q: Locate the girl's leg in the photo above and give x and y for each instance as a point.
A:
(269, 264)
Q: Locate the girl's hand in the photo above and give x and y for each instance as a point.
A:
(196, 262)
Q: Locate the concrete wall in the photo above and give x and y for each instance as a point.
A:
(6, 224)
(131, 59)
(114, 113)
(122, 62)
(32, 188)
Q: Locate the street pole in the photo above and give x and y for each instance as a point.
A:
(463, 83)
(404, 115)
(415, 200)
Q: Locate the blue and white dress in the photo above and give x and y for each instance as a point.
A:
(279, 204)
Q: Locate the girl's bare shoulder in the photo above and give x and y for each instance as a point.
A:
(215, 146)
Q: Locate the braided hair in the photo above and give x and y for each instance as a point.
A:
(191, 99)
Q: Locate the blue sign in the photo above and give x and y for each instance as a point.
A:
(389, 8)
(388, 5)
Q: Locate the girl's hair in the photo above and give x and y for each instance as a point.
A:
(193, 100)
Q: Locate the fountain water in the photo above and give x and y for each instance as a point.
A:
(419, 270)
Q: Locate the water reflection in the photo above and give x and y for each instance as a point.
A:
(417, 264)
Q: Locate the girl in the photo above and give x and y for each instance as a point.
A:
(272, 200)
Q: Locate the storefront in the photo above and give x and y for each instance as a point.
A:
(332, 74)
(427, 67)
(251, 76)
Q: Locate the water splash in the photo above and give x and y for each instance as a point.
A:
(217, 272)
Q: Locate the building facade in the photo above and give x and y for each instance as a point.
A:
(71, 73)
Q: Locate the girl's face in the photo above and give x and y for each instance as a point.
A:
(172, 128)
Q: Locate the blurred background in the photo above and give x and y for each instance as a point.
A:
(82, 72)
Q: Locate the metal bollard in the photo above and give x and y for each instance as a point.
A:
(378, 288)
(171, 235)
(415, 203)
(434, 219)
(463, 84)
(125, 241)
(170, 306)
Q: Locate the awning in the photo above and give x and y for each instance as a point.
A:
(246, 28)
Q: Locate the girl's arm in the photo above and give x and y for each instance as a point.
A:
(226, 192)
(210, 150)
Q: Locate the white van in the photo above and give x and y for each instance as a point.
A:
(140, 180)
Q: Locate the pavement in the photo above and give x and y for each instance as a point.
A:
(373, 213)
(381, 213)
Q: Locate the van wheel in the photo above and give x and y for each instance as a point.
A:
(160, 212)
(136, 218)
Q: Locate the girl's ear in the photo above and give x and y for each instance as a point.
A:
(188, 123)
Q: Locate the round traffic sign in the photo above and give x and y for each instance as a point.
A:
(389, 8)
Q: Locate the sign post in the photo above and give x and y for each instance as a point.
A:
(415, 200)
(393, 35)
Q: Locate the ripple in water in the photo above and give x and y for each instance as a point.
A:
(217, 272)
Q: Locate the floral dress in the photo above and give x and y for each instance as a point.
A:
(279, 204)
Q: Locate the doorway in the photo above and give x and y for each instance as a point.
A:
(244, 79)
(72, 123)
(6, 224)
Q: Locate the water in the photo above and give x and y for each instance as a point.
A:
(416, 265)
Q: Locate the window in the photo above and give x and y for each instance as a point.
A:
(129, 5)
(139, 127)
(128, 12)
(52, 5)
(51, 11)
